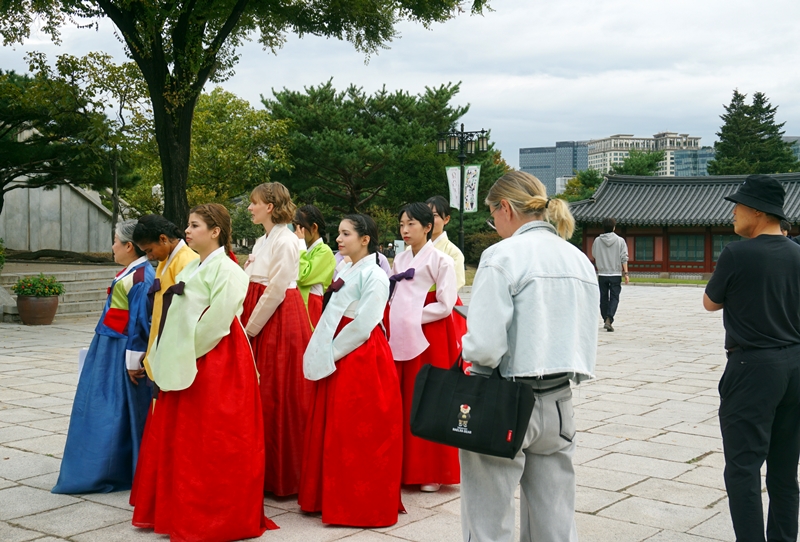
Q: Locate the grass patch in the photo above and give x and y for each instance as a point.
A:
(699, 458)
(470, 274)
(667, 281)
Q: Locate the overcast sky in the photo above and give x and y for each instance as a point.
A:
(536, 72)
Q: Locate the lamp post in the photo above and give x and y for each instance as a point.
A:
(464, 143)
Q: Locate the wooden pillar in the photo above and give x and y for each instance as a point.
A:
(665, 260)
(584, 244)
(708, 252)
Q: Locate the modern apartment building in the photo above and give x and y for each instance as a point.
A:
(604, 153)
(551, 163)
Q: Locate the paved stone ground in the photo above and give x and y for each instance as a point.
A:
(649, 465)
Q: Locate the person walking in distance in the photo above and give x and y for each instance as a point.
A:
(755, 282)
(611, 258)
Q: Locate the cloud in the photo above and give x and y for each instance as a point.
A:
(537, 72)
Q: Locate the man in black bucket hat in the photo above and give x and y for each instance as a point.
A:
(756, 282)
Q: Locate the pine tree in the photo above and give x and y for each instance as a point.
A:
(750, 140)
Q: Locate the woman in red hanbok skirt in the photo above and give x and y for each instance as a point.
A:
(317, 262)
(276, 321)
(441, 217)
(201, 466)
(421, 331)
(353, 449)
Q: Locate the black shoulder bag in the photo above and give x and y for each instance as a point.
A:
(483, 415)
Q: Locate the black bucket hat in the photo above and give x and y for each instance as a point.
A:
(762, 193)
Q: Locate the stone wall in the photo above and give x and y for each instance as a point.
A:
(65, 218)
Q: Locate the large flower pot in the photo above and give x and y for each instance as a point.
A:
(37, 311)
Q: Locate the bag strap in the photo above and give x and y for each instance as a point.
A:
(458, 366)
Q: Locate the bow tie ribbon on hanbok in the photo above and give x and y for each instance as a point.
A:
(151, 293)
(408, 274)
(172, 291)
(335, 286)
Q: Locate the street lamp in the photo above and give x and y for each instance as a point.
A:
(464, 143)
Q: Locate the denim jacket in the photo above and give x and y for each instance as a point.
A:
(534, 305)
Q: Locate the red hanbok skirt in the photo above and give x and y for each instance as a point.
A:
(460, 325)
(201, 465)
(314, 309)
(285, 393)
(425, 462)
(354, 440)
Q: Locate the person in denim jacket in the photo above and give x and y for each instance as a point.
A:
(533, 315)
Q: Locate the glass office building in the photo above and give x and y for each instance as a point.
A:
(693, 162)
(549, 163)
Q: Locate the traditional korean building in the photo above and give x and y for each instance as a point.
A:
(673, 226)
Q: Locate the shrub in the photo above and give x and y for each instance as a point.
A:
(476, 243)
(40, 286)
(242, 223)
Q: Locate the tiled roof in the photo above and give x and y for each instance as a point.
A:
(674, 201)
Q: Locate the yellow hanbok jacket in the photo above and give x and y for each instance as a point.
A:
(166, 272)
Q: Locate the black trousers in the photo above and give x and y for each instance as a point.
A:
(759, 415)
(610, 287)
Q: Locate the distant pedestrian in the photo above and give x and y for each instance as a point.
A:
(390, 251)
(786, 227)
(755, 281)
(611, 258)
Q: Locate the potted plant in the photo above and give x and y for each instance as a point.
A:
(37, 299)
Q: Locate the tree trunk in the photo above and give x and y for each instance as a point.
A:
(174, 138)
(114, 200)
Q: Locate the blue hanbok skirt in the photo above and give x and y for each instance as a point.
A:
(105, 430)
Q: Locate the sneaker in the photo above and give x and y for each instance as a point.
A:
(430, 488)
(607, 324)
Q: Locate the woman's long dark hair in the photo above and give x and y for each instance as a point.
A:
(440, 205)
(150, 228)
(307, 216)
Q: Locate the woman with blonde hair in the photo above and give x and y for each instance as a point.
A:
(533, 316)
(276, 321)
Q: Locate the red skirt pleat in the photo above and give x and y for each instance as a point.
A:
(314, 309)
(201, 467)
(354, 451)
(425, 462)
(285, 393)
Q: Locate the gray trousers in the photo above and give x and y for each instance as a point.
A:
(542, 468)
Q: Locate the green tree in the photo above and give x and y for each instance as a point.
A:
(644, 163)
(119, 88)
(50, 133)
(234, 148)
(750, 141)
(582, 186)
(180, 45)
(352, 150)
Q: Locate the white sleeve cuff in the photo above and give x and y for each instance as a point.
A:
(133, 360)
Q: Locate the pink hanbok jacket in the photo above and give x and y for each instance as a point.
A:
(407, 309)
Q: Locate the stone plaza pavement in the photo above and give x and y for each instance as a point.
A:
(649, 462)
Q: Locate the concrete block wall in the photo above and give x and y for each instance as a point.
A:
(65, 218)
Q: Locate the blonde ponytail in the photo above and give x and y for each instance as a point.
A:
(559, 215)
(527, 196)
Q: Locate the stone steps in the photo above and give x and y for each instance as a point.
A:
(85, 292)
